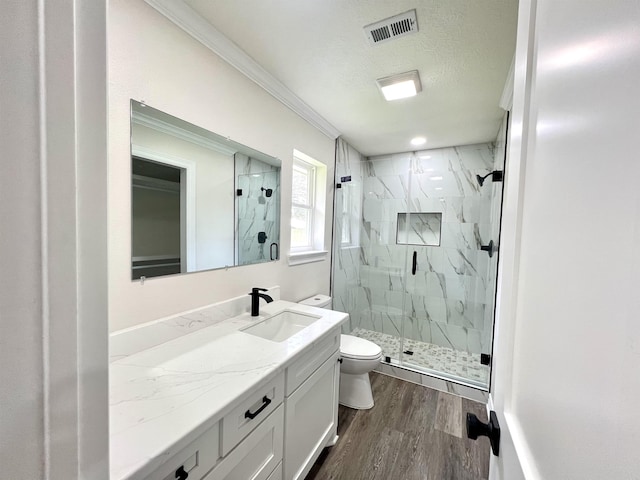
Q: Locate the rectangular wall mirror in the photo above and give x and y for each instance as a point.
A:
(199, 201)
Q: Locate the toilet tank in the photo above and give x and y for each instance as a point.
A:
(320, 301)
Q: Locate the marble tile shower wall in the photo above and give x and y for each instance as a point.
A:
(445, 303)
(256, 212)
(347, 289)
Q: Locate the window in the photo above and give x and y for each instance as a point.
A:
(308, 198)
(302, 206)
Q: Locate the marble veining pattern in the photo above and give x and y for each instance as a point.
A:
(449, 301)
(164, 397)
(129, 341)
(255, 211)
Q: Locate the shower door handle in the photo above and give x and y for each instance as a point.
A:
(414, 266)
(488, 248)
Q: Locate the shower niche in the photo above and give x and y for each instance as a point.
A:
(417, 281)
(419, 229)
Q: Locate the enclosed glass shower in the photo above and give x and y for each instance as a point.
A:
(416, 237)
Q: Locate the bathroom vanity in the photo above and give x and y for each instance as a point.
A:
(243, 398)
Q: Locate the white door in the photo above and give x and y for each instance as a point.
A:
(567, 348)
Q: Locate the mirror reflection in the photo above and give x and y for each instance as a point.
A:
(199, 201)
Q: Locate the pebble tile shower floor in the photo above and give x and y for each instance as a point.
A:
(445, 360)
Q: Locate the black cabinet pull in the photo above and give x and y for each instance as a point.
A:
(265, 403)
(271, 251)
(415, 263)
(181, 474)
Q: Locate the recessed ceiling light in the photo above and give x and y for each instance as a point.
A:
(438, 188)
(418, 141)
(400, 86)
(435, 178)
(425, 157)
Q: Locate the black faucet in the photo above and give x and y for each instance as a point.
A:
(255, 300)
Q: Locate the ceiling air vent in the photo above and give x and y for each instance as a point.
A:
(392, 27)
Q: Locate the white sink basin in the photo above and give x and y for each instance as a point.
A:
(281, 326)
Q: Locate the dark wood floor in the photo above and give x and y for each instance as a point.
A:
(412, 433)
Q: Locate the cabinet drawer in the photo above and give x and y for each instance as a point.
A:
(250, 412)
(307, 363)
(258, 455)
(196, 459)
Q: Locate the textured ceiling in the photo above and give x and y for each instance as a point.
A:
(318, 49)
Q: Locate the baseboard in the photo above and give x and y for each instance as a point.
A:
(432, 382)
(333, 441)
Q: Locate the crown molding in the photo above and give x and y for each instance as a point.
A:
(181, 133)
(195, 25)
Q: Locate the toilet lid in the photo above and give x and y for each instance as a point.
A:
(356, 347)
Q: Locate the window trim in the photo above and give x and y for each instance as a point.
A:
(310, 171)
(316, 251)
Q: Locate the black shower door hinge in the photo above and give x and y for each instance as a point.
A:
(485, 359)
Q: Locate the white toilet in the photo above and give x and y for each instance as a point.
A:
(359, 356)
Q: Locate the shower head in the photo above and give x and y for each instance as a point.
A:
(496, 176)
(267, 191)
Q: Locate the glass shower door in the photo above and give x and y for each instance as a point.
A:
(449, 304)
(411, 261)
(378, 290)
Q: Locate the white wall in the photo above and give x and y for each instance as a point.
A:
(151, 59)
(21, 395)
(571, 385)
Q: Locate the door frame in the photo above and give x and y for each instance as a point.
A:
(515, 461)
(188, 230)
(54, 239)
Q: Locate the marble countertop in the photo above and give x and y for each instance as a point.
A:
(163, 398)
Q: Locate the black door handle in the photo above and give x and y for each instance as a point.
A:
(271, 251)
(265, 403)
(414, 267)
(476, 428)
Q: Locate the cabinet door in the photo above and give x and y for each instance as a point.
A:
(311, 414)
(257, 456)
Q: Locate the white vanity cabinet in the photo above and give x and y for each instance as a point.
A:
(257, 456)
(246, 444)
(311, 406)
(275, 430)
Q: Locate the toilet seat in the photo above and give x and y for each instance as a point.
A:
(358, 348)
